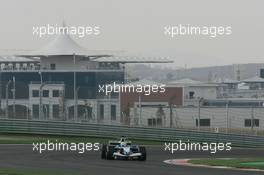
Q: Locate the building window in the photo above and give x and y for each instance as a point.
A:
(55, 111)
(204, 122)
(55, 93)
(35, 93)
(154, 122)
(35, 111)
(191, 95)
(101, 113)
(248, 123)
(45, 93)
(256, 122)
(151, 122)
(113, 112)
(86, 79)
(52, 66)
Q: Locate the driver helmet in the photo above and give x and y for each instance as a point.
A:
(123, 144)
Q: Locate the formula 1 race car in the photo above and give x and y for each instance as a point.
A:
(123, 150)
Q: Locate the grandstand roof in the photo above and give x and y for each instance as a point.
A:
(11, 59)
(133, 59)
(64, 45)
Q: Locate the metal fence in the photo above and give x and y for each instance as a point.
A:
(151, 134)
(236, 120)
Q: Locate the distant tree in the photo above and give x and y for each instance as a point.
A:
(160, 116)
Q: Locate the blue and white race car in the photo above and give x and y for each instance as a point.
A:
(123, 150)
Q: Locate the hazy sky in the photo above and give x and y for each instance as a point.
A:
(137, 26)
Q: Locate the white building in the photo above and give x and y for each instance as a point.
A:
(195, 90)
(248, 88)
(61, 82)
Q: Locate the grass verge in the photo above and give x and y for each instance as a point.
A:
(249, 163)
(30, 138)
(14, 171)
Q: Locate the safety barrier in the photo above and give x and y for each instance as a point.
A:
(101, 130)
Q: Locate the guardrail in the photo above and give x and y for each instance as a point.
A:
(100, 130)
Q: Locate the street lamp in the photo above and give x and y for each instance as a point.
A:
(199, 113)
(171, 106)
(74, 89)
(227, 115)
(7, 88)
(0, 86)
(14, 96)
(40, 95)
(140, 109)
(76, 104)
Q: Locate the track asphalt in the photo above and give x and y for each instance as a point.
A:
(90, 163)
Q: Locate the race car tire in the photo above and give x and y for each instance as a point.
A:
(143, 151)
(103, 152)
(109, 153)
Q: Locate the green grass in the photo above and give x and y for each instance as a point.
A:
(30, 138)
(13, 171)
(254, 163)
